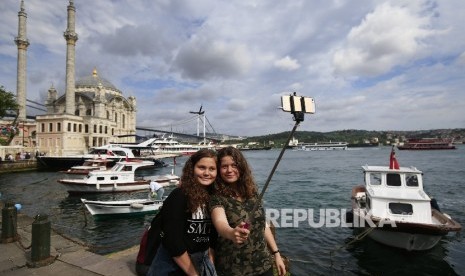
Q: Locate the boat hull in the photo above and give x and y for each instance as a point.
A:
(426, 148)
(66, 162)
(52, 162)
(80, 186)
(408, 236)
(408, 241)
(405, 235)
(74, 186)
(127, 207)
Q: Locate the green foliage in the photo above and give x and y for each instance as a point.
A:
(7, 102)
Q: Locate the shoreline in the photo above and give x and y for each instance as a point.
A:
(18, 166)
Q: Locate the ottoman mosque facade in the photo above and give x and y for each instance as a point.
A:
(91, 112)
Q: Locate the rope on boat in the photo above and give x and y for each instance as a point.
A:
(357, 238)
(300, 261)
(39, 181)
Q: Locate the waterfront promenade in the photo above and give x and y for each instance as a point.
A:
(70, 256)
(18, 166)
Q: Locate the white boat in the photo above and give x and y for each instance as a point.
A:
(395, 210)
(168, 145)
(321, 146)
(120, 178)
(122, 207)
(110, 152)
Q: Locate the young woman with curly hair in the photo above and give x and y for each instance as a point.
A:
(188, 233)
(241, 248)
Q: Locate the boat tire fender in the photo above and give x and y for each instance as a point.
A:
(137, 205)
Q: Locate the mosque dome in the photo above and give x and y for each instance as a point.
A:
(95, 80)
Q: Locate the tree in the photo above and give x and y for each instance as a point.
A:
(7, 102)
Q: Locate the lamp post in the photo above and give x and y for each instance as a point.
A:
(23, 134)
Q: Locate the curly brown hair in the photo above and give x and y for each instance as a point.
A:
(245, 186)
(198, 195)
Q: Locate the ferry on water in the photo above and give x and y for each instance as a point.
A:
(428, 144)
(296, 145)
(321, 146)
(168, 145)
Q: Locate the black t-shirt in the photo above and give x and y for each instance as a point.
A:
(184, 230)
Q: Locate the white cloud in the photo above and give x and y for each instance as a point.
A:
(287, 63)
(389, 36)
(361, 62)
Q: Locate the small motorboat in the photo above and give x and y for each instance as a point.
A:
(120, 178)
(393, 208)
(122, 207)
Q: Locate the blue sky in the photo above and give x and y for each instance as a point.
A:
(373, 65)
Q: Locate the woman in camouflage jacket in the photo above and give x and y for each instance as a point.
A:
(241, 248)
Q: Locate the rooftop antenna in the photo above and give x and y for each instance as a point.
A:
(297, 106)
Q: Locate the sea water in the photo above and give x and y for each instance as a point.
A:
(304, 180)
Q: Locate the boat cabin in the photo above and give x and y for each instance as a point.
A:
(396, 194)
(130, 166)
(123, 171)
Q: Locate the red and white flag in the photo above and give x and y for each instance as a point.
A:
(393, 164)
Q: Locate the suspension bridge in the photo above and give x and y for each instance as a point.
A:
(182, 130)
(209, 133)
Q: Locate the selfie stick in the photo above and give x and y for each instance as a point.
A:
(298, 117)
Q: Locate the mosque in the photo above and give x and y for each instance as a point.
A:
(91, 112)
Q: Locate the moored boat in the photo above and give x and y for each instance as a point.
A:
(112, 153)
(394, 209)
(112, 156)
(122, 207)
(120, 178)
(428, 144)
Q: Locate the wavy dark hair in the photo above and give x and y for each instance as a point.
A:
(245, 186)
(198, 195)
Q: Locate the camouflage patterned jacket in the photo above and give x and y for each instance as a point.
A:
(250, 258)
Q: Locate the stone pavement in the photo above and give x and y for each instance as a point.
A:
(69, 258)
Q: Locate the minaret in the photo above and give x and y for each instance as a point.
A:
(22, 43)
(71, 38)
